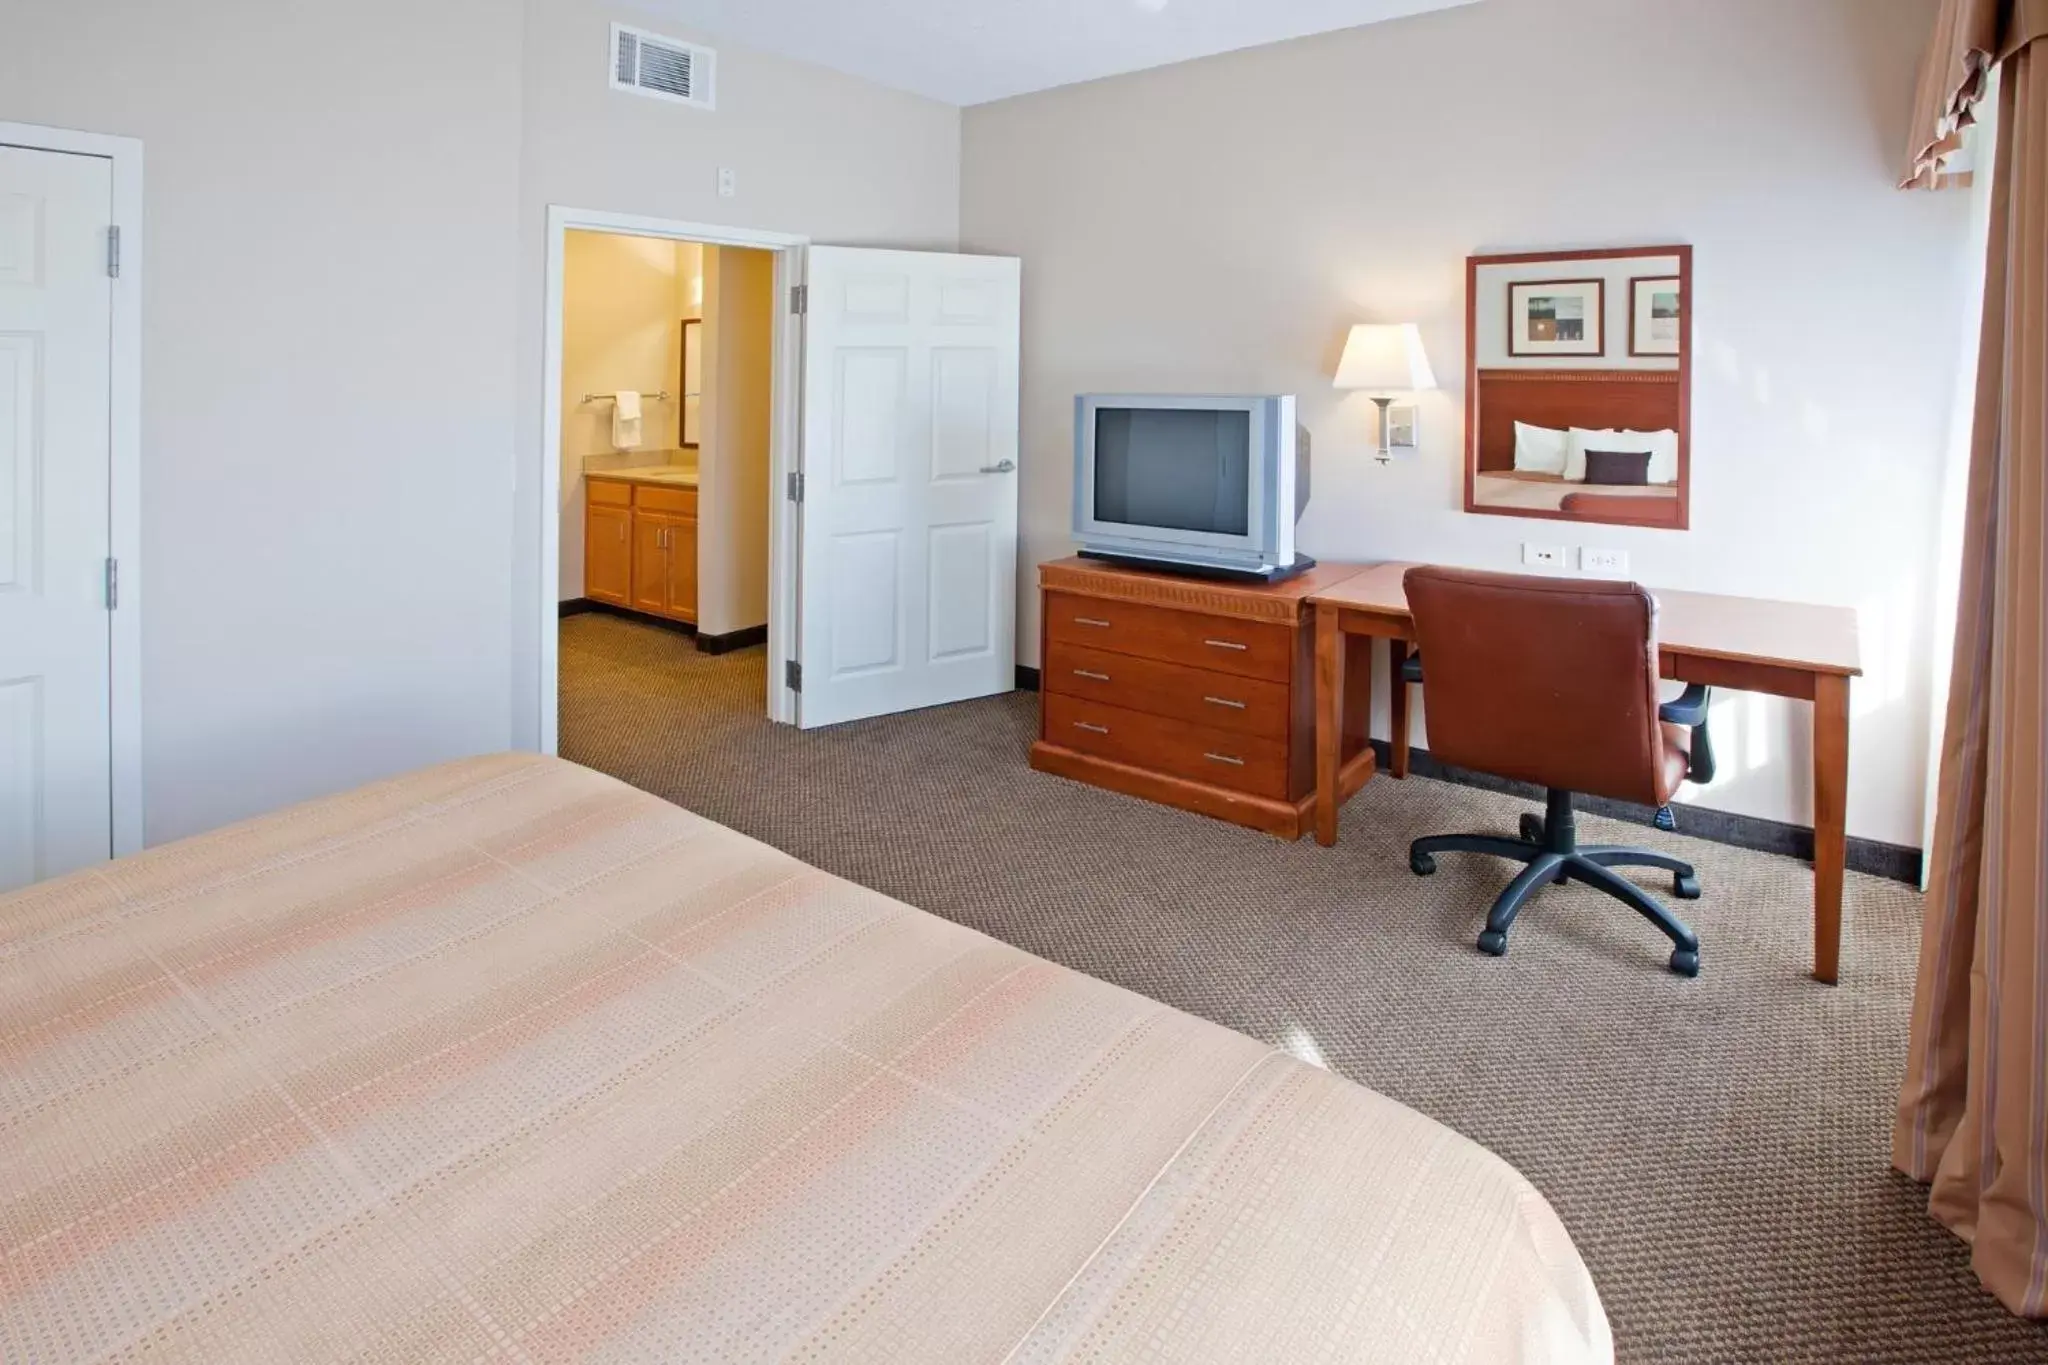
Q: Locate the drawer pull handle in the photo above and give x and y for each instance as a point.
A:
(1091, 621)
(1091, 673)
(1225, 644)
(1226, 758)
(1091, 728)
(1225, 701)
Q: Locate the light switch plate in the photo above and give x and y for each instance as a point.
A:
(728, 183)
(1606, 563)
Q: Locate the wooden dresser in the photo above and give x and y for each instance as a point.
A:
(1187, 691)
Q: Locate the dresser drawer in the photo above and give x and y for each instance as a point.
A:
(1161, 744)
(682, 501)
(1224, 701)
(607, 493)
(1250, 649)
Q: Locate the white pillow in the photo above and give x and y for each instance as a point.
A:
(1539, 450)
(1663, 447)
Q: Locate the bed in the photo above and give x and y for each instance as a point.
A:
(506, 1060)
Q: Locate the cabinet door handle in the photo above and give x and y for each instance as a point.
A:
(1225, 701)
(1091, 673)
(1225, 758)
(1091, 727)
(1091, 621)
(661, 538)
(1225, 644)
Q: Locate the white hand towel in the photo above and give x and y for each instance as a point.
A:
(625, 420)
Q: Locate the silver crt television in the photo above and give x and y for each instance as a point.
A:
(1206, 484)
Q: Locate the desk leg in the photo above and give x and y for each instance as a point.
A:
(1397, 708)
(1329, 721)
(1830, 820)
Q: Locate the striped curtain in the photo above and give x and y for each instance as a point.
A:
(1973, 1112)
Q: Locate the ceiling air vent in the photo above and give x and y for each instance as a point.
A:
(665, 68)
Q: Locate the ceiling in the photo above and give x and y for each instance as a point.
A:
(972, 51)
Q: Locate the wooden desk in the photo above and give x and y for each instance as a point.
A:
(1787, 649)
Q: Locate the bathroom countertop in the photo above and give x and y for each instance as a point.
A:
(671, 476)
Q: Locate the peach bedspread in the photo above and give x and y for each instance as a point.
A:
(505, 1060)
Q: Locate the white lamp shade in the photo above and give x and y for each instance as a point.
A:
(1385, 356)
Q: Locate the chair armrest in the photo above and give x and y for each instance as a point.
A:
(1411, 669)
(1687, 708)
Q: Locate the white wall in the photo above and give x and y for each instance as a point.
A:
(342, 337)
(330, 279)
(732, 502)
(1217, 226)
(814, 152)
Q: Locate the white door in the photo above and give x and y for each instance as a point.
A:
(908, 583)
(56, 795)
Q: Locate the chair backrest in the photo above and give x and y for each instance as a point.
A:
(1544, 680)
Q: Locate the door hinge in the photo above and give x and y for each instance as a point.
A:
(799, 298)
(113, 253)
(796, 485)
(793, 675)
(113, 584)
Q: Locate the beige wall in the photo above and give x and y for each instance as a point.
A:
(1218, 225)
(620, 330)
(330, 286)
(732, 500)
(623, 301)
(814, 153)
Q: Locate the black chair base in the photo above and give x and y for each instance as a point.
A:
(1550, 850)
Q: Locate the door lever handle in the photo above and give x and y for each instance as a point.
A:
(1000, 467)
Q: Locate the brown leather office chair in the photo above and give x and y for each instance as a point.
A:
(1554, 681)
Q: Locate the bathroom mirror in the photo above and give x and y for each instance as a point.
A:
(1579, 385)
(693, 382)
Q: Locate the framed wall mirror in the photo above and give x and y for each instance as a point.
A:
(1578, 374)
(688, 435)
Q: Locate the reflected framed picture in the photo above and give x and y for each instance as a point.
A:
(1654, 306)
(1556, 317)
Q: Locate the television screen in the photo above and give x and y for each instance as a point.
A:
(1188, 469)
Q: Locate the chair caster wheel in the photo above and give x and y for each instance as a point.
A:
(1421, 864)
(1532, 828)
(1493, 943)
(1685, 961)
(1685, 886)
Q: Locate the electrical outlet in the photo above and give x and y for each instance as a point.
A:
(1543, 556)
(728, 183)
(1607, 563)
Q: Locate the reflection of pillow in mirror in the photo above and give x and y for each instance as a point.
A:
(1579, 440)
(1618, 466)
(1539, 450)
(1663, 447)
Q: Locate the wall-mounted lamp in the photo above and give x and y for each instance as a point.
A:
(1387, 357)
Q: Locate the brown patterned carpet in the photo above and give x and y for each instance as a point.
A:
(1718, 1147)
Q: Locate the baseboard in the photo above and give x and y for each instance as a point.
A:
(1871, 856)
(582, 606)
(732, 640)
(1027, 679)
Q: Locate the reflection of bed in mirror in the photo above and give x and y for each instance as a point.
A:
(1559, 401)
(1578, 368)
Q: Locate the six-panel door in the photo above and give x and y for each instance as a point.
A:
(56, 795)
(909, 563)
